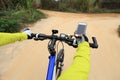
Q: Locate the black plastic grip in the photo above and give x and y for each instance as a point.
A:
(40, 36)
(94, 44)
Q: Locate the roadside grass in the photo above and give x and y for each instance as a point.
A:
(118, 30)
(14, 21)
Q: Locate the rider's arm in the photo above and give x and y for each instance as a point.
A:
(6, 38)
(79, 69)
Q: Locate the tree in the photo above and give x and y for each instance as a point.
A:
(37, 3)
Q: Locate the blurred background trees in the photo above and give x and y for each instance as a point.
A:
(82, 5)
(18, 12)
(15, 14)
(63, 5)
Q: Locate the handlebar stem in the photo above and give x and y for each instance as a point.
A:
(51, 48)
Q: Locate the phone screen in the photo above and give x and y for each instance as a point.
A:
(81, 29)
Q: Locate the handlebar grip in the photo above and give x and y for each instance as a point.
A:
(39, 36)
(94, 44)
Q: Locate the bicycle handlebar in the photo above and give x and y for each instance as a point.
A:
(65, 38)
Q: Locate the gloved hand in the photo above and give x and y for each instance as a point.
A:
(80, 38)
(28, 32)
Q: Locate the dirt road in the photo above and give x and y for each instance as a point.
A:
(28, 60)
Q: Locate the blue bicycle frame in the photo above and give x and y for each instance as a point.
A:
(51, 68)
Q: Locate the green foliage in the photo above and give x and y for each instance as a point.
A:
(16, 4)
(118, 30)
(25, 16)
(71, 9)
(97, 10)
(83, 5)
(15, 13)
(13, 21)
(9, 25)
(66, 5)
(63, 7)
(109, 0)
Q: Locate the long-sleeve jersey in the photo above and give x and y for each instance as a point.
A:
(6, 38)
(80, 66)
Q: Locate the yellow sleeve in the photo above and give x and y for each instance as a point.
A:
(6, 38)
(80, 67)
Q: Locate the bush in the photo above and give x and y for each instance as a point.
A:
(66, 5)
(26, 16)
(109, 0)
(95, 6)
(38, 15)
(84, 6)
(63, 7)
(13, 13)
(13, 21)
(9, 25)
(71, 10)
(118, 30)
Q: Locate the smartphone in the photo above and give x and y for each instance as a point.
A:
(81, 29)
